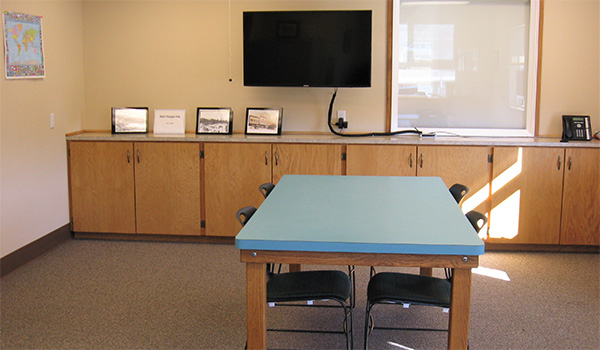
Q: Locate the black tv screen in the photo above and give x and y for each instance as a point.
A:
(307, 48)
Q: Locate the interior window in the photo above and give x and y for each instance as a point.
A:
(464, 67)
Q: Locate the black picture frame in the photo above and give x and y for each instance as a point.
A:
(214, 120)
(129, 120)
(263, 121)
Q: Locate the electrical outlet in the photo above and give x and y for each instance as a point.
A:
(51, 120)
(341, 122)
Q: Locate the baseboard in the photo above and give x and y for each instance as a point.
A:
(541, 248)
(34, 250)
(154, 238)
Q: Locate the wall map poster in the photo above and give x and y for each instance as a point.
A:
(23, 49)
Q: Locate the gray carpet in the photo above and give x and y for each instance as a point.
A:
(143, 295)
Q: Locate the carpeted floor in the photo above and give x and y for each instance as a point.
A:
(144, 295)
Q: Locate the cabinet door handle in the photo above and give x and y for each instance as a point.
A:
(266, 157)
(559, 163)
(276, 157)
(421, 160)
(410, 160)
(128, 156)
(569, 163)
(138, 155)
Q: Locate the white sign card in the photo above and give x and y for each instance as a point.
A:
(169, 121)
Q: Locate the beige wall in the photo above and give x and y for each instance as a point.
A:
(175, 54)
(33, 173)
(570, 64)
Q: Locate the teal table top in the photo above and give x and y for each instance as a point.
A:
(360, 214)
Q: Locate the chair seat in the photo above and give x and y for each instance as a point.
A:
(308, 285)
(408, 288)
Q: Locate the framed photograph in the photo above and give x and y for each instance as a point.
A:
(263, 121)
(214, 120)
(129, 120)
(23, 46)
(169, 121)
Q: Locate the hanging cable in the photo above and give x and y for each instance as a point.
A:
(393, 133)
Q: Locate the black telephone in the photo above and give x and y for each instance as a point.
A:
(576, 127)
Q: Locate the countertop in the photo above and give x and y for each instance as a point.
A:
(334, 139)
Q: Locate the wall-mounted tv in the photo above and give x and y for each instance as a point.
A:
(307, 48)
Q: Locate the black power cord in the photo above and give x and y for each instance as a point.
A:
(399, 132)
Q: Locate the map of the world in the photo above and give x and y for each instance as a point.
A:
(24, 55)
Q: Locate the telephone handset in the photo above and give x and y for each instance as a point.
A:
(576, 128)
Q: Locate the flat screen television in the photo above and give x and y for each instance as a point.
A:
(307, 48)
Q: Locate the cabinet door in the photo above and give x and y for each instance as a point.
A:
(101, 182)
(581, 198)
(306, 159)
(381, 160)
(468, 165)
(526, 195)
(167, 188)
(233, 172)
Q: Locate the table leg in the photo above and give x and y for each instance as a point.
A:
(256, 305)
(458, 331)
(426, 271)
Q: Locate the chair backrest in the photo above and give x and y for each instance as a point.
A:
(477, 219)
(459, 191)
(266, 188)
(244, 214)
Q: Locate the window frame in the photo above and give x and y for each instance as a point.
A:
(533, 76)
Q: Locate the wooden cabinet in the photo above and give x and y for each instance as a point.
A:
(545, 196)
(468, 165)
(526, 195)
(306, 159)
(454, 164)
(102, 187)
(233, 172)
(122, 187)
(381, 160)
(532, 195)
(581, 197)
(167, 188)
(522, 191)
